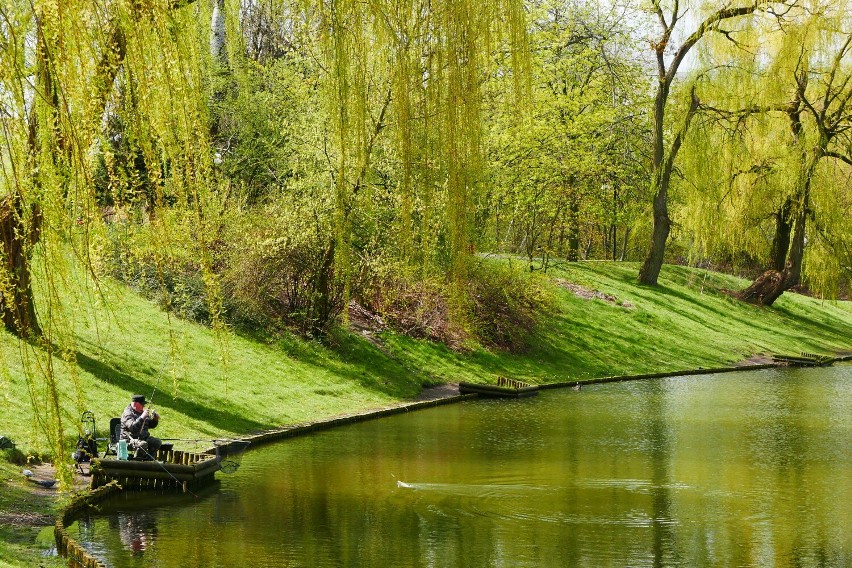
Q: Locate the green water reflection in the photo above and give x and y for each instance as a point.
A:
(748, 469)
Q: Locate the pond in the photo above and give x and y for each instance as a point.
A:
(738, 469)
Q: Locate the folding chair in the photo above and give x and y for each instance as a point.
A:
(114, 437)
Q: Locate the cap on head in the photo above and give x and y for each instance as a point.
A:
(140, 398)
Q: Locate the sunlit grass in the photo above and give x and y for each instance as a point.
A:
(208, 385)
(23, 542)
(685, 323)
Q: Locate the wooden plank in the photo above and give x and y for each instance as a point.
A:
(134, 465)
(495, 391)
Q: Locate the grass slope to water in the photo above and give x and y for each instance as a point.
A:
(686, 322)
(208, 385)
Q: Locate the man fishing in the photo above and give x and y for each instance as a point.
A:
(135, 423)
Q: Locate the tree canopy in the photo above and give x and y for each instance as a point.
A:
(277, 165)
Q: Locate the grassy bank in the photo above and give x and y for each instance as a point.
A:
(207, 384)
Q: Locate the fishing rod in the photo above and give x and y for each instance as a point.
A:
(214, 440)
(156, 385)
(160, 376)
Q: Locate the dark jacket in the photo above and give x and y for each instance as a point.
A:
(133, 425)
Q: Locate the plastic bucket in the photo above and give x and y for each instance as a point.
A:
(122, 449)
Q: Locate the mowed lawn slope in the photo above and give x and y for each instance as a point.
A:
(604, 323)
(207, 384)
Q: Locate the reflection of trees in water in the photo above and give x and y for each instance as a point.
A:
(783, 444)
(664, 537)
(228, 508)
(137, 530)
(86, 526)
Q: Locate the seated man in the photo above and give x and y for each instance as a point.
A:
(135, 423)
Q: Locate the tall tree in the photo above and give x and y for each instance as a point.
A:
(58, 66)
(778, 176)
(820, 123)
(670, 54)
(53, 146)
(560, 165)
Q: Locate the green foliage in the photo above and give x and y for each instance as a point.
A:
(566, 169)
(506, 304)
(280, 272)
(267, 127)
(777, 122)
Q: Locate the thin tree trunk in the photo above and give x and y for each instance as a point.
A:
(18, 235)
(650, 271)
(624, 245)
(574, 229)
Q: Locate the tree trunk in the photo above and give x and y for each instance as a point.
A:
(783, 230)
(624, 245)
(650, 271)
(769, 286)
(324, 308)
(217, 33)
(663, 166)
(574, 229)
(18, 237)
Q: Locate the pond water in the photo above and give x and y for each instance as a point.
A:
(738, 469)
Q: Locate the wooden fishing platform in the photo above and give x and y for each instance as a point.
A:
(505, 388)
(171, 469)
(806, 360)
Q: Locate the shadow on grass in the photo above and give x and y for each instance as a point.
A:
(374, 368)
(798, 319)
(216, 417)
(349, 356)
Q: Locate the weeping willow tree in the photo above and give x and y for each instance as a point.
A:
(783, 130)
(395, 90)
(419, 66)
(106, 121)
(671, 48)
(820, 119)
(62, 66)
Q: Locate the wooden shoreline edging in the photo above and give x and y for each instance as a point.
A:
(276, 434)
(624, 378)
(171, 469)
(67, 546)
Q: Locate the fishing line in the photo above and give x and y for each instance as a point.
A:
(147, 453)
(157, 384)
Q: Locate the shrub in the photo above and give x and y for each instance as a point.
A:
(175, 284)
(280, 273)
(414, 306)
(504, 304)
(500, 307)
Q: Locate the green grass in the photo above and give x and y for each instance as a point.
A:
(214, 385)
(684, 323)
(209, 385)
(24, 544)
